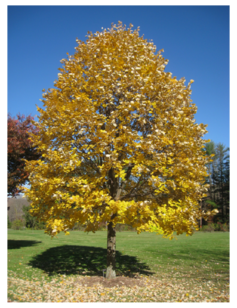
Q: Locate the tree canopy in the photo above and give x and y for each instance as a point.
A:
(19, 147)
(119, 141)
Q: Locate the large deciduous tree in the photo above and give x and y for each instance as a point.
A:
(119, 142)
(19, 147)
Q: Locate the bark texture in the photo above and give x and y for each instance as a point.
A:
(111, 249)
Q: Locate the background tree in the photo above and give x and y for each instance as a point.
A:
(16, 205)
(209, 150)
(119, 142)
(9, 224)
(19, 147)
(31, 221)
(220, 179)
(226, 188)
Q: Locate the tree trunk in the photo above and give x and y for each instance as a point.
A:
(111, 249)
(111, 233)
(201, 217)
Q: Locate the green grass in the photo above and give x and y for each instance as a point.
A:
(199, 259)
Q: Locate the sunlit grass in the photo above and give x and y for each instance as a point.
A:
(197, 265)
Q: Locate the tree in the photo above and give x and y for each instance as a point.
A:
(226, 188)
(19, 147)
(119, 142)
(209, 150)
(31, 221)
(15, 206)
(9, 224)
(220, 179)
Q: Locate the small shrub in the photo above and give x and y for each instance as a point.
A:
(215, 227)
(118, 227)
(222, 227)
(225, 227)
(207, 228)
(78, 227)
(18, 224)
(9, 224)
(124, 227)
(102, 227)
(40, 225)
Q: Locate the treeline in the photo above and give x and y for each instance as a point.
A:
(15, 207)
(218, 195)
(19, 216)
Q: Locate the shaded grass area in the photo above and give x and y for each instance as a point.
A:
(199, 260)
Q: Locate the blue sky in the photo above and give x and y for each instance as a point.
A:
(195, 40)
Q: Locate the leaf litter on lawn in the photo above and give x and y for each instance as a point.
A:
(121, 289)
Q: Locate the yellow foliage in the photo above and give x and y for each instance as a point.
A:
(119, 141)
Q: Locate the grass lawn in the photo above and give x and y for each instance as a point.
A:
(191, 268)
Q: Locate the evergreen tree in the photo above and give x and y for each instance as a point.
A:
(220, 178)
(226, 188)
(210, 151)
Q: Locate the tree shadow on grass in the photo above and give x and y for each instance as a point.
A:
(85, 260)
(16, 244)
